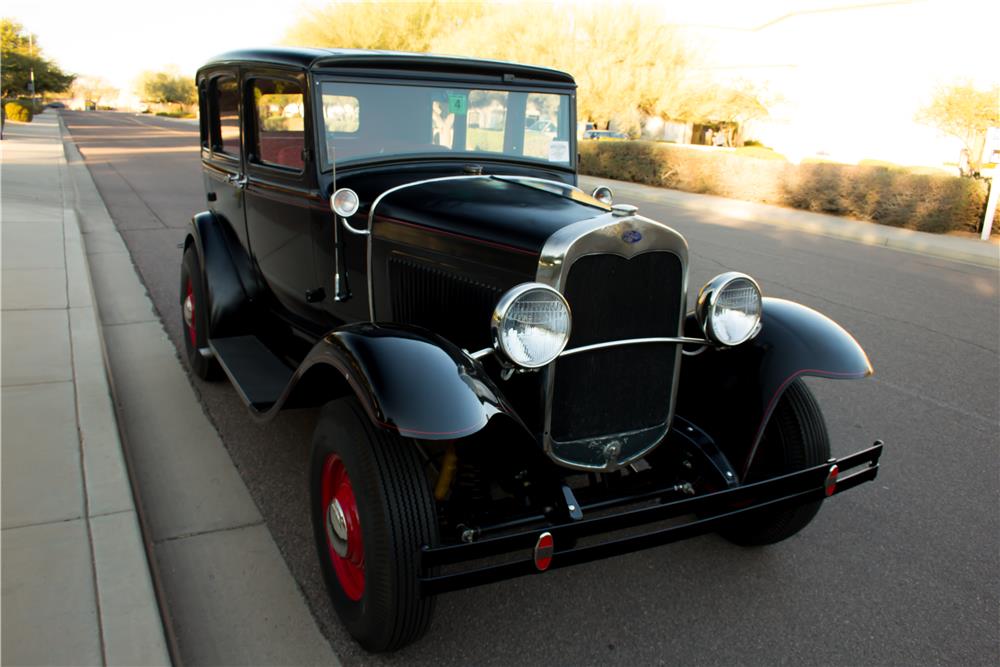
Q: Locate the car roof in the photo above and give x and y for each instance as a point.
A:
(331, 59)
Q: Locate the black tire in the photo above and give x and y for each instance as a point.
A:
(396, 513)
(794, 439)
(195, 332)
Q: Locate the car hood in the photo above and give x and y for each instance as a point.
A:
(501, 210)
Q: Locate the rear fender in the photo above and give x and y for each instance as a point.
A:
(732, 392)
(228, 282)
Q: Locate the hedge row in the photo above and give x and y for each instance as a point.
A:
(17, 111)
(890, 196)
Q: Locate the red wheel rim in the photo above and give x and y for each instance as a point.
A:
(188, 308)
(343, 528)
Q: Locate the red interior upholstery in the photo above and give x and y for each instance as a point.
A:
(284, 148)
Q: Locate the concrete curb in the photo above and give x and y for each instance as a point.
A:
(936, 245)
(133, 628)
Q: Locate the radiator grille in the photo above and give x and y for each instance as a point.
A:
(448, 304)
(625, 388)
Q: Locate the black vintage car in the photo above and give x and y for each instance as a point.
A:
(511, 379)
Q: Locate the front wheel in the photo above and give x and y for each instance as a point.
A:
(795, 438)
(372, 511)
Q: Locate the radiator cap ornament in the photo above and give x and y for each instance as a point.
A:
(622, 210)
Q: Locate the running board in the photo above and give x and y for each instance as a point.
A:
(258, 375)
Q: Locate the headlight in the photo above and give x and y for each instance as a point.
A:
(729, 308)
(531, 325)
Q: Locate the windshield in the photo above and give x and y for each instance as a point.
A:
(364, 120)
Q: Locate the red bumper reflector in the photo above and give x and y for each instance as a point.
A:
(831, 480)
(543, 551)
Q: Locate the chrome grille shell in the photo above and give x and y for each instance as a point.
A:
(627, 237)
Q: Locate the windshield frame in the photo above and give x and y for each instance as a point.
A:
(326, 165)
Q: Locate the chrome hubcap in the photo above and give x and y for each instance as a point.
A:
(336, 528)
(188, 311)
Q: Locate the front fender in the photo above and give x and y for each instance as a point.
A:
(408, 380)
(731, 392)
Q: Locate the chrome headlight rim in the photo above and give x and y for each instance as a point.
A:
(709, 296)
(345, 202)
(502, 309)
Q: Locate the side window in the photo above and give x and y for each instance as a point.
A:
(279, 123)
(226, 96)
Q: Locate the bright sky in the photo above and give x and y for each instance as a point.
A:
(851, 72)
(118, 39)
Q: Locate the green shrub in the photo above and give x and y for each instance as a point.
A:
(36, 105)
(17, 111)
(870, 162)
(889, 196)
(930, 202)
(761, 152)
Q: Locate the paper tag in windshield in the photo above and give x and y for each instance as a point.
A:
(559, 151)
(457, 104)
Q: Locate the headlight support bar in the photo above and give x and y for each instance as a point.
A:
(670, 340)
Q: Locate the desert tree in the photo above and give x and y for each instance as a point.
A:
(22, 55)
(966, 112)
(370, 24)
(166, 87)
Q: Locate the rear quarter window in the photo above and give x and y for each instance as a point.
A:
(226, 112)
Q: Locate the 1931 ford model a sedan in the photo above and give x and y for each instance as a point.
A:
(508, 366)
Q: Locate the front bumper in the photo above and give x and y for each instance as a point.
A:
(710, 511)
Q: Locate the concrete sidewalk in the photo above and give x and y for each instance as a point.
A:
(76, 582)
(229, 596)
(983, 253)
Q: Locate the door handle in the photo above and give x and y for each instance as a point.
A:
(239, 180)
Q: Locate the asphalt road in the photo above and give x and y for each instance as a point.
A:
(902, 571)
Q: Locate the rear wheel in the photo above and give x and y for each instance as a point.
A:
(194, 318)
(794, 439)
(372, 511)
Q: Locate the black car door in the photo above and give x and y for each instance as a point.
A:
(221, 150)
(281, 193)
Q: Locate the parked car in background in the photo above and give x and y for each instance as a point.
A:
(508, 368)
(605, 135)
